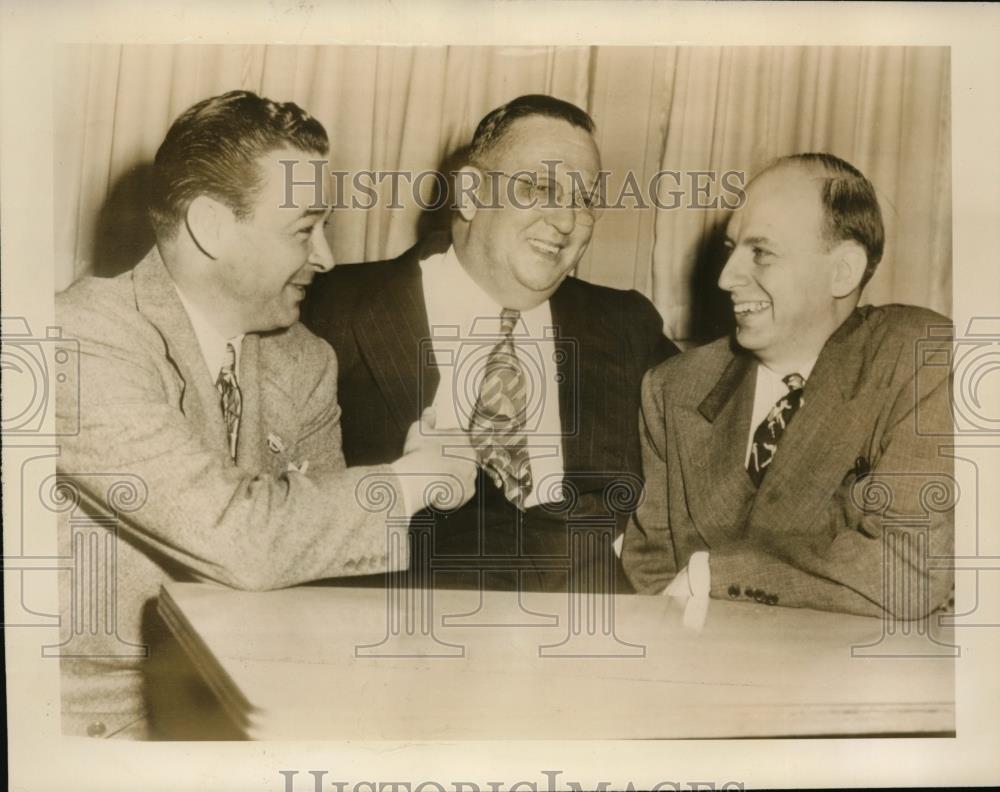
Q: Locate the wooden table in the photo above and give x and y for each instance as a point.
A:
(345, 663)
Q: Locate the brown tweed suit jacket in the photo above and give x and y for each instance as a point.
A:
(155, 496)
(858, 502)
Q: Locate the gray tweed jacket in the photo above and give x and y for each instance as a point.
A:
(148, 492)
(856, 511)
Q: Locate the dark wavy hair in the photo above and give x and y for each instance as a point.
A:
(849, 202)
(213, 148)
(496, 123)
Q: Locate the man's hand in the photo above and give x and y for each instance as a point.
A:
(436, 471)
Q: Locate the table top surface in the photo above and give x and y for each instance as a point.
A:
(328, 662)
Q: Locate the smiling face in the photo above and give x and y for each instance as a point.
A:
(270, 257)
(781, 272)
(519, 253)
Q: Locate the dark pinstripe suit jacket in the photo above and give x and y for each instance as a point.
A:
(373, 315)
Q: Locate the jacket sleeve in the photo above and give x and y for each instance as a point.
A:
(648, 557)
(189, 502)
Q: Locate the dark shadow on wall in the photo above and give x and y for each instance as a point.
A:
(123, 234)
(436, 215)
(711, 308)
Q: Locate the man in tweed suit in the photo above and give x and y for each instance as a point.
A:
(795, 463)
(209, 442)
(409, 332)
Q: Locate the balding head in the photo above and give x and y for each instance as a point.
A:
(849, 203)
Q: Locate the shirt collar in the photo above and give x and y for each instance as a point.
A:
(455, 294)
(455, 288)
(804, 371)
(210, 340)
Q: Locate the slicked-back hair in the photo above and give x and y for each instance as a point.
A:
(849, 203)
(496, 123)
(213, 147)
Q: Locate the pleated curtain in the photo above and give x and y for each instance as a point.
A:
(685, 110)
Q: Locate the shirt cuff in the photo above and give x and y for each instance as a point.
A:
(404, 494)
(699, 574)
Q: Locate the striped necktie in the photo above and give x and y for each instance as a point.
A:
(497, 428)
(232, 399)
(767, 435)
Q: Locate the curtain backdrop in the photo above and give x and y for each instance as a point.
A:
(678, 109)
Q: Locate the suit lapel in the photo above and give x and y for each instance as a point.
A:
(249, 450)
(816, 449)
(713, 442)
(394, 337)
(156, 298)
(571, 388)
(587, 350)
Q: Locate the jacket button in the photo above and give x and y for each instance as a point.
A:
(759, 596)
(96, 729)
(734, 591)
(751, 592)
(774, 599)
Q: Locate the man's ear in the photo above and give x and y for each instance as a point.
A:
(208, 222)
(849, 263)
(469, 180)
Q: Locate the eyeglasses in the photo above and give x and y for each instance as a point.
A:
(542, 193)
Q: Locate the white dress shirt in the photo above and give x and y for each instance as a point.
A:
(694, 582)
(465, 325)
(770, 387)
(211, 341)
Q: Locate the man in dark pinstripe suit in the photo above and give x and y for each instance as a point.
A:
(417, 332)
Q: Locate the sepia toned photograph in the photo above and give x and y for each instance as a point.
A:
(281, 350)
(499, 394)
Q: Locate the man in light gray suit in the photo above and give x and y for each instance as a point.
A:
(798, 462)
(210, 444)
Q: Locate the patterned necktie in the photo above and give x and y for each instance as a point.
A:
(767, 435)
(497, 428)
(232, 399)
